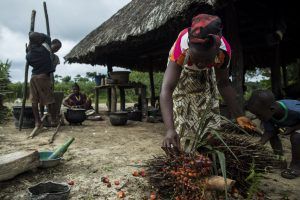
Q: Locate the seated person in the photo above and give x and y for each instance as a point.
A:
(275, 115)
(77, 99)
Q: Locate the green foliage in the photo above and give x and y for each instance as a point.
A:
(66, 79)
(254, 179)
(4, 74)
(293, 72)
(4, 81)
(263, 81)
(17, 91)
(91, 75)
(87, 85)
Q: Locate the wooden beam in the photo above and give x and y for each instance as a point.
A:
(276, 74)
(122, 99)
(109, 69)
(152, 87)
(97, 100)
(114, 100)
(237, 62)
(284, 75)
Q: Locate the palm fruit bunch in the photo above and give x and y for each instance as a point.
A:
(181, 177)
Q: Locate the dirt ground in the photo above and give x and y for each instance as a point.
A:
(101, 150)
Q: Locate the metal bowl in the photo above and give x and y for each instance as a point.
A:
(45, 162)
(49, 191)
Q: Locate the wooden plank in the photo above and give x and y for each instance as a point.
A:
(143, 94)
(113, 99)
(122, 98)
(152, 88)
(16, 163)
(109, 90)
(97, 100)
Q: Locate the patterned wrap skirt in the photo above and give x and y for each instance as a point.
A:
(195, 99)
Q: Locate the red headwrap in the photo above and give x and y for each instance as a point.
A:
(206, 29)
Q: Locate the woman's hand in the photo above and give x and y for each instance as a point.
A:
(171, 143)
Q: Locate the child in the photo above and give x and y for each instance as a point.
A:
(275, 115)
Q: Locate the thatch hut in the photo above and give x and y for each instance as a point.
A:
(139, 35)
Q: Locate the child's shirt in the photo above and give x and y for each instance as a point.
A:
(291, 116)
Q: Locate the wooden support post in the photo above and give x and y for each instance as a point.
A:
(284, 75)
(114, 99)
(122, 99)
(237, 62)
(26, 76)
(144, 100)
(152, 88)
(276, 74)
(97, 100)
(109, 69)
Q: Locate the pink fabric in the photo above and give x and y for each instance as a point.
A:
(177, 48)
(228, 48)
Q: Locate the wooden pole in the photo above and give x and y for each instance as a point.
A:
(152, 88)
(143, 100)
(122, 99)
(48, 33)
(26, 76)
(47, 19)
(35, 130)
(114, 99)
(55, 132)
(284, 74)
(109, 69)
(237, 62)
(97, 100)
(276, 74)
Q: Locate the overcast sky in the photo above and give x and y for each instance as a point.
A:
(70, 21)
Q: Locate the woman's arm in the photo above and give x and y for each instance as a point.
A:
(227, 92)
(230, 97)
(171, 77)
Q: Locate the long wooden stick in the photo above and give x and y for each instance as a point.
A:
(35, 130)
(26, 75)
(55, 132)
(48, 33)
(47, 19)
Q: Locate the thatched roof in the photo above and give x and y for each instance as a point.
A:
(141, 27)
(140, 35)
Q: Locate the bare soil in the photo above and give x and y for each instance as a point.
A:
(102, 150)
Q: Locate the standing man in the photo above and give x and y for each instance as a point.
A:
(39, 56)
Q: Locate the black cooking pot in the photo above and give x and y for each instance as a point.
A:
(28, 117)
(118, 118)
(135, 115)
(75, 116)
